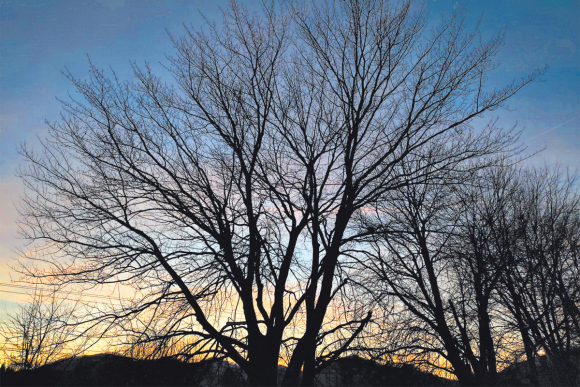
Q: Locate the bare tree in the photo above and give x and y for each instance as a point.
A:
(39, 332)
(411, 259)
(486, 217)
(472, 262)
(227, 201)
(521, 238)
(540, 285)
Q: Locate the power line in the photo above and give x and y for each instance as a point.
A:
(81, 294)
(229, 310)
(57, 297)
(68, 291)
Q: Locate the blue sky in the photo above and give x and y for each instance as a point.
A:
(38, 38)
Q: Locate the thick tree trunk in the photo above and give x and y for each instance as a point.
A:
(304, 354)
(263, 375)
(461, 370)
(262, 367)
(292, 374)
(309, 371)
(302, 357)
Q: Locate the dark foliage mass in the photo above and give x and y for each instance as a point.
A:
(355, 371)
(110, 370)
(561, 371)
(113, 370)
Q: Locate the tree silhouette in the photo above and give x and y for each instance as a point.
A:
(228, 201)
(540, 284)
(472, 261)
(39, 332)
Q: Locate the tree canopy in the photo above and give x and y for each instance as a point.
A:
(236, 200)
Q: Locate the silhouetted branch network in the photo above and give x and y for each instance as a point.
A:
(229, 200)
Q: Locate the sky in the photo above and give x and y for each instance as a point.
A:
(39, 38)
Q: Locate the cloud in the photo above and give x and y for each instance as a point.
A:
(558, 150)
(554, 128)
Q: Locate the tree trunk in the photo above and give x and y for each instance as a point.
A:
(262, 368)
(309, 365)
(303, 356)
(487, 355)
(528, 345)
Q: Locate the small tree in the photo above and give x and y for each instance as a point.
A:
(38, 332)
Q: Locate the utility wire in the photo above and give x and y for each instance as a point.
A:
(229, 310)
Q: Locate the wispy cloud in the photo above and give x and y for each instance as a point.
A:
(554, 128)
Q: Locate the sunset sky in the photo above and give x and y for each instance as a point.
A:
(38, 38)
